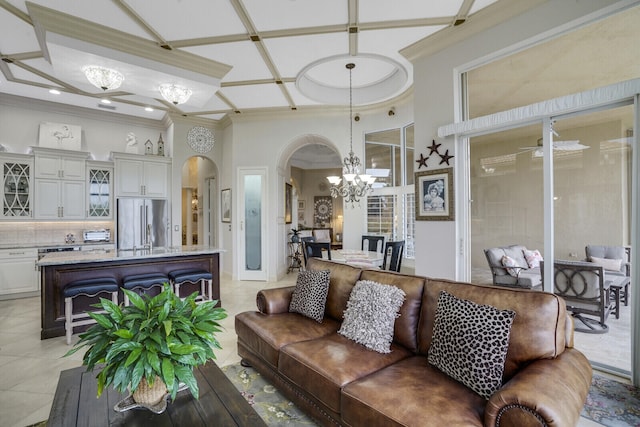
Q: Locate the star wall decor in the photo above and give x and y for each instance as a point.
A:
(434, 148)
(445, 158)
(422, 161)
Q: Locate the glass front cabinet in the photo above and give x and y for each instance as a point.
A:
(16, 185)
(100, 190)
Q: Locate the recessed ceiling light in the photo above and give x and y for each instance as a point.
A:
(54, 91)
(149, 109)
(105, 101)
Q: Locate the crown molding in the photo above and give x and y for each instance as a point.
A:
(49, 20)
(59, 108)
(482, 20)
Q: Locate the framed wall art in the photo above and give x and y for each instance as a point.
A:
(60, 135)
(287, 203)
(434, 195)
(225, 205)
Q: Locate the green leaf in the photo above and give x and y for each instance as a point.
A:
(183, 348)
(101, 319)
(136, 300)
(124, 333)
(136, 375)
(164, 312)
(168, 374)
(167, 327)
(154, 362)
(112, 309)
(185, 375)
(133, 356)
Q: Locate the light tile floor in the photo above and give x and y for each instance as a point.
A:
(30, 367)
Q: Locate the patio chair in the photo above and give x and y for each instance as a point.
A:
(610, 257)
(586, 291)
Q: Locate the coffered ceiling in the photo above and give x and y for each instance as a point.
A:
(237, 56)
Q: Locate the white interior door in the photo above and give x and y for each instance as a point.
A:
(252, 258)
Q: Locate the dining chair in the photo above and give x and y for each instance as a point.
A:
(373, 243)
(314, 250)
(394, 250)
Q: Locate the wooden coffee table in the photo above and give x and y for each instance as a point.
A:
(220, 404)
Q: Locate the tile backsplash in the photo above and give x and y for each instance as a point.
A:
(40, 233)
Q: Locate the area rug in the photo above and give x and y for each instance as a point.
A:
(612, 403)
(273, 407)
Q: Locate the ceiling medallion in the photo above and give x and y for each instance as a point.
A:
(103, 78)
(200, 139)
(384, 79)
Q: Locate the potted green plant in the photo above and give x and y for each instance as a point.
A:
(294, 233)
(152, 344)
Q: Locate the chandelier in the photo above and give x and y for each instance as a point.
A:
(103, 78)
(355, 185)
(175, 94)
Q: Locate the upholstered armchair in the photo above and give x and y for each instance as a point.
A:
(610, 257)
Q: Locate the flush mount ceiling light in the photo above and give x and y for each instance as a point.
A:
(175, 94)
(103, 78)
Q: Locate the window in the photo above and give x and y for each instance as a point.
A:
(389, 157)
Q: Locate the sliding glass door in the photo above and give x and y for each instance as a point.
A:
(592, 167)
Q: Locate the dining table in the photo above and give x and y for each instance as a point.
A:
(357, 257)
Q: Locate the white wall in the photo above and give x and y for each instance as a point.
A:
(102, 132)
(269, 141)
(435, 103)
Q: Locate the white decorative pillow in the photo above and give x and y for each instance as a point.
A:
(507, 262)
(310, 295)
(533, 258)
(470, 342)
(371, 314)
(607, 263)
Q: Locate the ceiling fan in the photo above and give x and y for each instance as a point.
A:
(571, 145)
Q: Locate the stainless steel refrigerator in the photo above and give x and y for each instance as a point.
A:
(142, 223)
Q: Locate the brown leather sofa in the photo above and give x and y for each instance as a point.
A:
(340, 382)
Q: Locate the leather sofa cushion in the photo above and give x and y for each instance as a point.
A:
(324, 365)
(428, 397)
(406, 326)
(342, 278)
(538, 330)
(267, 334)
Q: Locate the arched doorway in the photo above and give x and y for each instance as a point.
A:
(199, 202)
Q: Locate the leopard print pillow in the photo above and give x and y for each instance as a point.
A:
(310, 295)
(470, 342)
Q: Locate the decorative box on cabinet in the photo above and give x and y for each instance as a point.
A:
(141, 176)
(17, 187)
(59, 184)
(99, 189)
(18, 270)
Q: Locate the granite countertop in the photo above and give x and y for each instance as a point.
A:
(102, 255)
(52, 245)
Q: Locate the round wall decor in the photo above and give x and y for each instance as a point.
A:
(200, 139)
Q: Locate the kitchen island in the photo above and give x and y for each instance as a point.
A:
(59, 269)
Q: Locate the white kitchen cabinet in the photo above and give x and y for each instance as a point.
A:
(141, 176)
(18, 271)
(99, 190)
(59, 199)
(60, 164)
(16, 190)
(60, 177)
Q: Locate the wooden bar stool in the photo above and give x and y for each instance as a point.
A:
(140, 283)
(88, 288)
(194, 276)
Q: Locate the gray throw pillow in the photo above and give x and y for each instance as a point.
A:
(371, 313)
(310, 295)
(470, 342)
